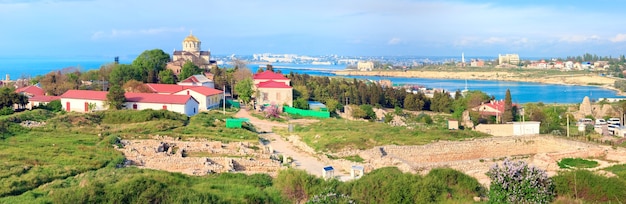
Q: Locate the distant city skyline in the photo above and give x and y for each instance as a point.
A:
(77, 28)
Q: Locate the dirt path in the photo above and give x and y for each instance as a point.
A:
(303, 160)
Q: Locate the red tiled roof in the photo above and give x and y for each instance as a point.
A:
(42, 98)
(130, 97)
(269, 75)
(173, 88)
(165, 88)
(157, 98)
(203, 90)
(272, 84)
(34, 90)
(85, 94)
(196, 79)
(498, 106)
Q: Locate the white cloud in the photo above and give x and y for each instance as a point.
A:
(394, 41)
(618, 38)
(494, 40)
(115, 33)
(579, 38)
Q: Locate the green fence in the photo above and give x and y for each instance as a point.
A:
(233, 103)
(311, 113)
(235, 122)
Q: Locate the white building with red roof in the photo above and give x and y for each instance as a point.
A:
(273, 88)
(87, 101)
(31, 91)
(493, 108)
(36, 96)
(40, 101)
(270, 76)
(208, 98)
(197, 80)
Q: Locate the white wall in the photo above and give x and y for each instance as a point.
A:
(526, 128)
(279, 96)
(78, 105)
(187, 109)
(205, 102)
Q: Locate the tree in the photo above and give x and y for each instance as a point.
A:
(507, 115)
(115, 97)
(189, 69)
(301, 91)
(244, 90)
(167, 77)
(241, 74)
(516, 182)
(134, 86)
(301, 103)
(122, 73)
(331, 104)
(151, 62)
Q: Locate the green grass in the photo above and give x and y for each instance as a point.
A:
(133, 185)
(354, 158)
(568, 163)
(336, 134)
(34, 158)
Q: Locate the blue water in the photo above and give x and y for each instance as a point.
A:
(522, 92)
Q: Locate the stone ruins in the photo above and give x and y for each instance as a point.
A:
(199, 157)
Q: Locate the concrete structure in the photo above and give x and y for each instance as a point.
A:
(192, 51)
(197, 80)
(453, 124)
(365, 66)
(272, 92)
(512, 59)
(510, 129)
(86, 101)
(272, 88)
(328, 172)
(207, 98)
(357, 172)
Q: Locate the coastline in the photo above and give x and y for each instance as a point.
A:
(564, 79)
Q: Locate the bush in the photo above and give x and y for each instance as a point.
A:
(515, 182)
(301, 103)
(369, 112)
(6, 111)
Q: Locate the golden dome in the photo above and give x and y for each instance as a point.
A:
(191, 38)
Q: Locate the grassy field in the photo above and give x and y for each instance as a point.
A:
(568, 163)
(337, 134)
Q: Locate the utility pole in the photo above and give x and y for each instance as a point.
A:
(224, 100)
(567, 124)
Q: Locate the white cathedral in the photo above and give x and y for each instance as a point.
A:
(192, 52)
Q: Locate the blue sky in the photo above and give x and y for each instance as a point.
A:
(71, 28)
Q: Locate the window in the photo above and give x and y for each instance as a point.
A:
(135, 106)
(277, 95)
(164, 107)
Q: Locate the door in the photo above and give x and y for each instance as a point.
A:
(86, 107)
(67, 106)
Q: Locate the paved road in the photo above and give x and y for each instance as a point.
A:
(303, 160)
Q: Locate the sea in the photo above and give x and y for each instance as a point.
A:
(521, 92)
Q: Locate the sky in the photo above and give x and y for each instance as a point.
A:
(533, 28)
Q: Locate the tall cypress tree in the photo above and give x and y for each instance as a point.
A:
(507, 115)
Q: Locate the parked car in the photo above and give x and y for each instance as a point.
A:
(584, 121)
(612, 129)
(600, 122)
(614, 121)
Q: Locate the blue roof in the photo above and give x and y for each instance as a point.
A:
(328, 168)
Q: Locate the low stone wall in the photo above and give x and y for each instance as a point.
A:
(164, 153)
(495, 129)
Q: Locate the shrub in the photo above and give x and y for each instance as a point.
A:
(6, 111)
(272, 111)
(515, 182)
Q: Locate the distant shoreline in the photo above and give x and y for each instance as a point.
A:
(564, 79)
